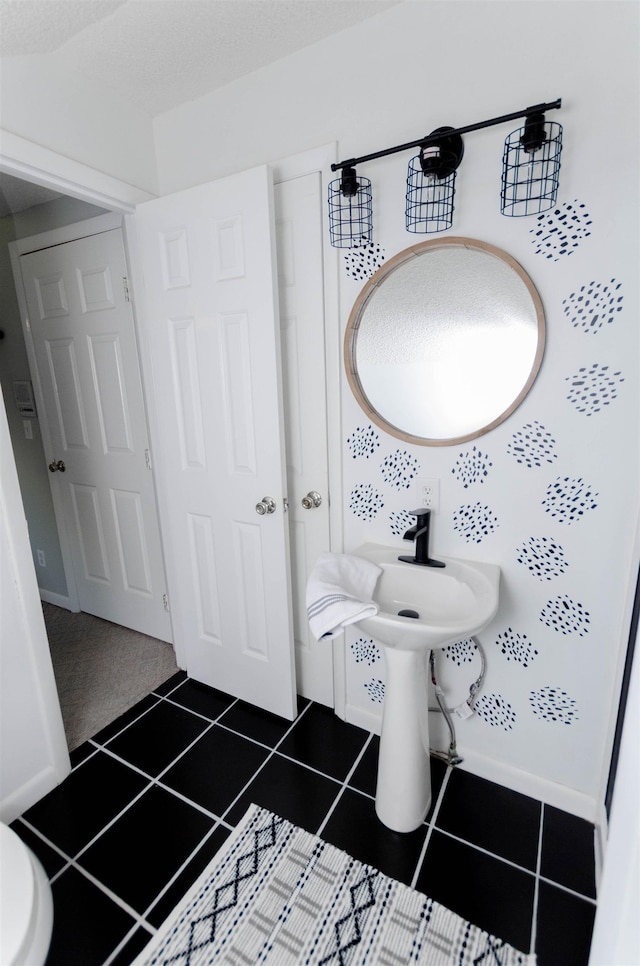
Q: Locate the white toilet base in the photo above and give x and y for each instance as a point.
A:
(26, 904)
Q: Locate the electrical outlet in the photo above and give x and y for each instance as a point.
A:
(428, 493)
(41, 558)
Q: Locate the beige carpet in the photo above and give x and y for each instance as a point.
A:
(101, 669)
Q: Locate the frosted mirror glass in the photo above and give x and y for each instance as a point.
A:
(445, 341)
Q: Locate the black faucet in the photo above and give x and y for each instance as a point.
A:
(420, 533)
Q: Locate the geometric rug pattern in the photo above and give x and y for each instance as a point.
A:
(278, 895)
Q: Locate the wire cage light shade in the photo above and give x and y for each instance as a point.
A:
(531, 168)
(431, 183)
(350, 211)
(429, 200)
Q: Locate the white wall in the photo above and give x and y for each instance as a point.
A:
(51, 107)
(33, 747)
(395, 78)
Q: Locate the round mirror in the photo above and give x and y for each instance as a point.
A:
(444, 341)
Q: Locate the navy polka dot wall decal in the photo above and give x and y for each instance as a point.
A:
(365, 651)
(497, 712)
(364, 441)
(543, 557)
(553, 704)
(594, 388)
(362, 263)
(474, 522)
(532, 445)
(566, 616)
(462, 652)
(593, 305)
(568, 500)
(400, 522)
(560, 232)
(375, 690)
(471, 467)
(399, 469)
(516, 647)
(365, 502)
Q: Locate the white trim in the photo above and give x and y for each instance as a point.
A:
(319, 160)
(31, 791)
(621, 634)
(543, 790)
(60, 236)
(551, 793)
(143, 333)
(361, 718)
(58, 599)
(616, 937)
(32, 162)
(27, 642)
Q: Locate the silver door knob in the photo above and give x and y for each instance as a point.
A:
(311, 500)
(266, 505)
(57, 465)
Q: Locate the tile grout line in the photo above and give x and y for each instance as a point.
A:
(345, 784)
(493, 855)
(140, 918)
(272, 752)
(431, 826)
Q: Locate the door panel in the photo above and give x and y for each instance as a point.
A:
(301, 292)
(207, 258)
(85, 348)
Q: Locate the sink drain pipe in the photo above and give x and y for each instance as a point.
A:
(464, 710)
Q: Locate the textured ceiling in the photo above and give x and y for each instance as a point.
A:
(160, 53)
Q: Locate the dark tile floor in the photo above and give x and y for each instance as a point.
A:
(153, 796)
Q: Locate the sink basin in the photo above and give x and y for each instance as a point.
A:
(452, 602)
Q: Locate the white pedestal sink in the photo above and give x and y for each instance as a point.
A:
(452, 603)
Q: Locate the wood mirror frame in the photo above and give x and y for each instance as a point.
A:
(490, 309)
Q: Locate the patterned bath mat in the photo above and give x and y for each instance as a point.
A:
(278, 895)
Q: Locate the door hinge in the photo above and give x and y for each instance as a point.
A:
(165, 602)
(147, 459)
(125, 286)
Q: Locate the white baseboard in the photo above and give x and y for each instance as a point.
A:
(542, 789)
(362, 718)
(35, 788)
(58, 599)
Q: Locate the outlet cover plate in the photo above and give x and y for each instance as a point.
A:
(428, 493)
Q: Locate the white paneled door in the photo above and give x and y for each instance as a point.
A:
(84, 342)
(298, 205)
(212, 329)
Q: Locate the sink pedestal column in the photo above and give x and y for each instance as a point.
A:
(403, 792)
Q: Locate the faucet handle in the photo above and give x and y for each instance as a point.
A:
(422, 512)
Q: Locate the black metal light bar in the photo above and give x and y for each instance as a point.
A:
(435, 138)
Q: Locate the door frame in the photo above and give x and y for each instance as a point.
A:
(24, 246)
(31, 162)
(296, 166)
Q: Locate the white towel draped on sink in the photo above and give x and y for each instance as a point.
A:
(339, 592)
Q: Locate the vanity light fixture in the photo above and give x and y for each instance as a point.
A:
(350, 210)
(431, 184)
(531, 166)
